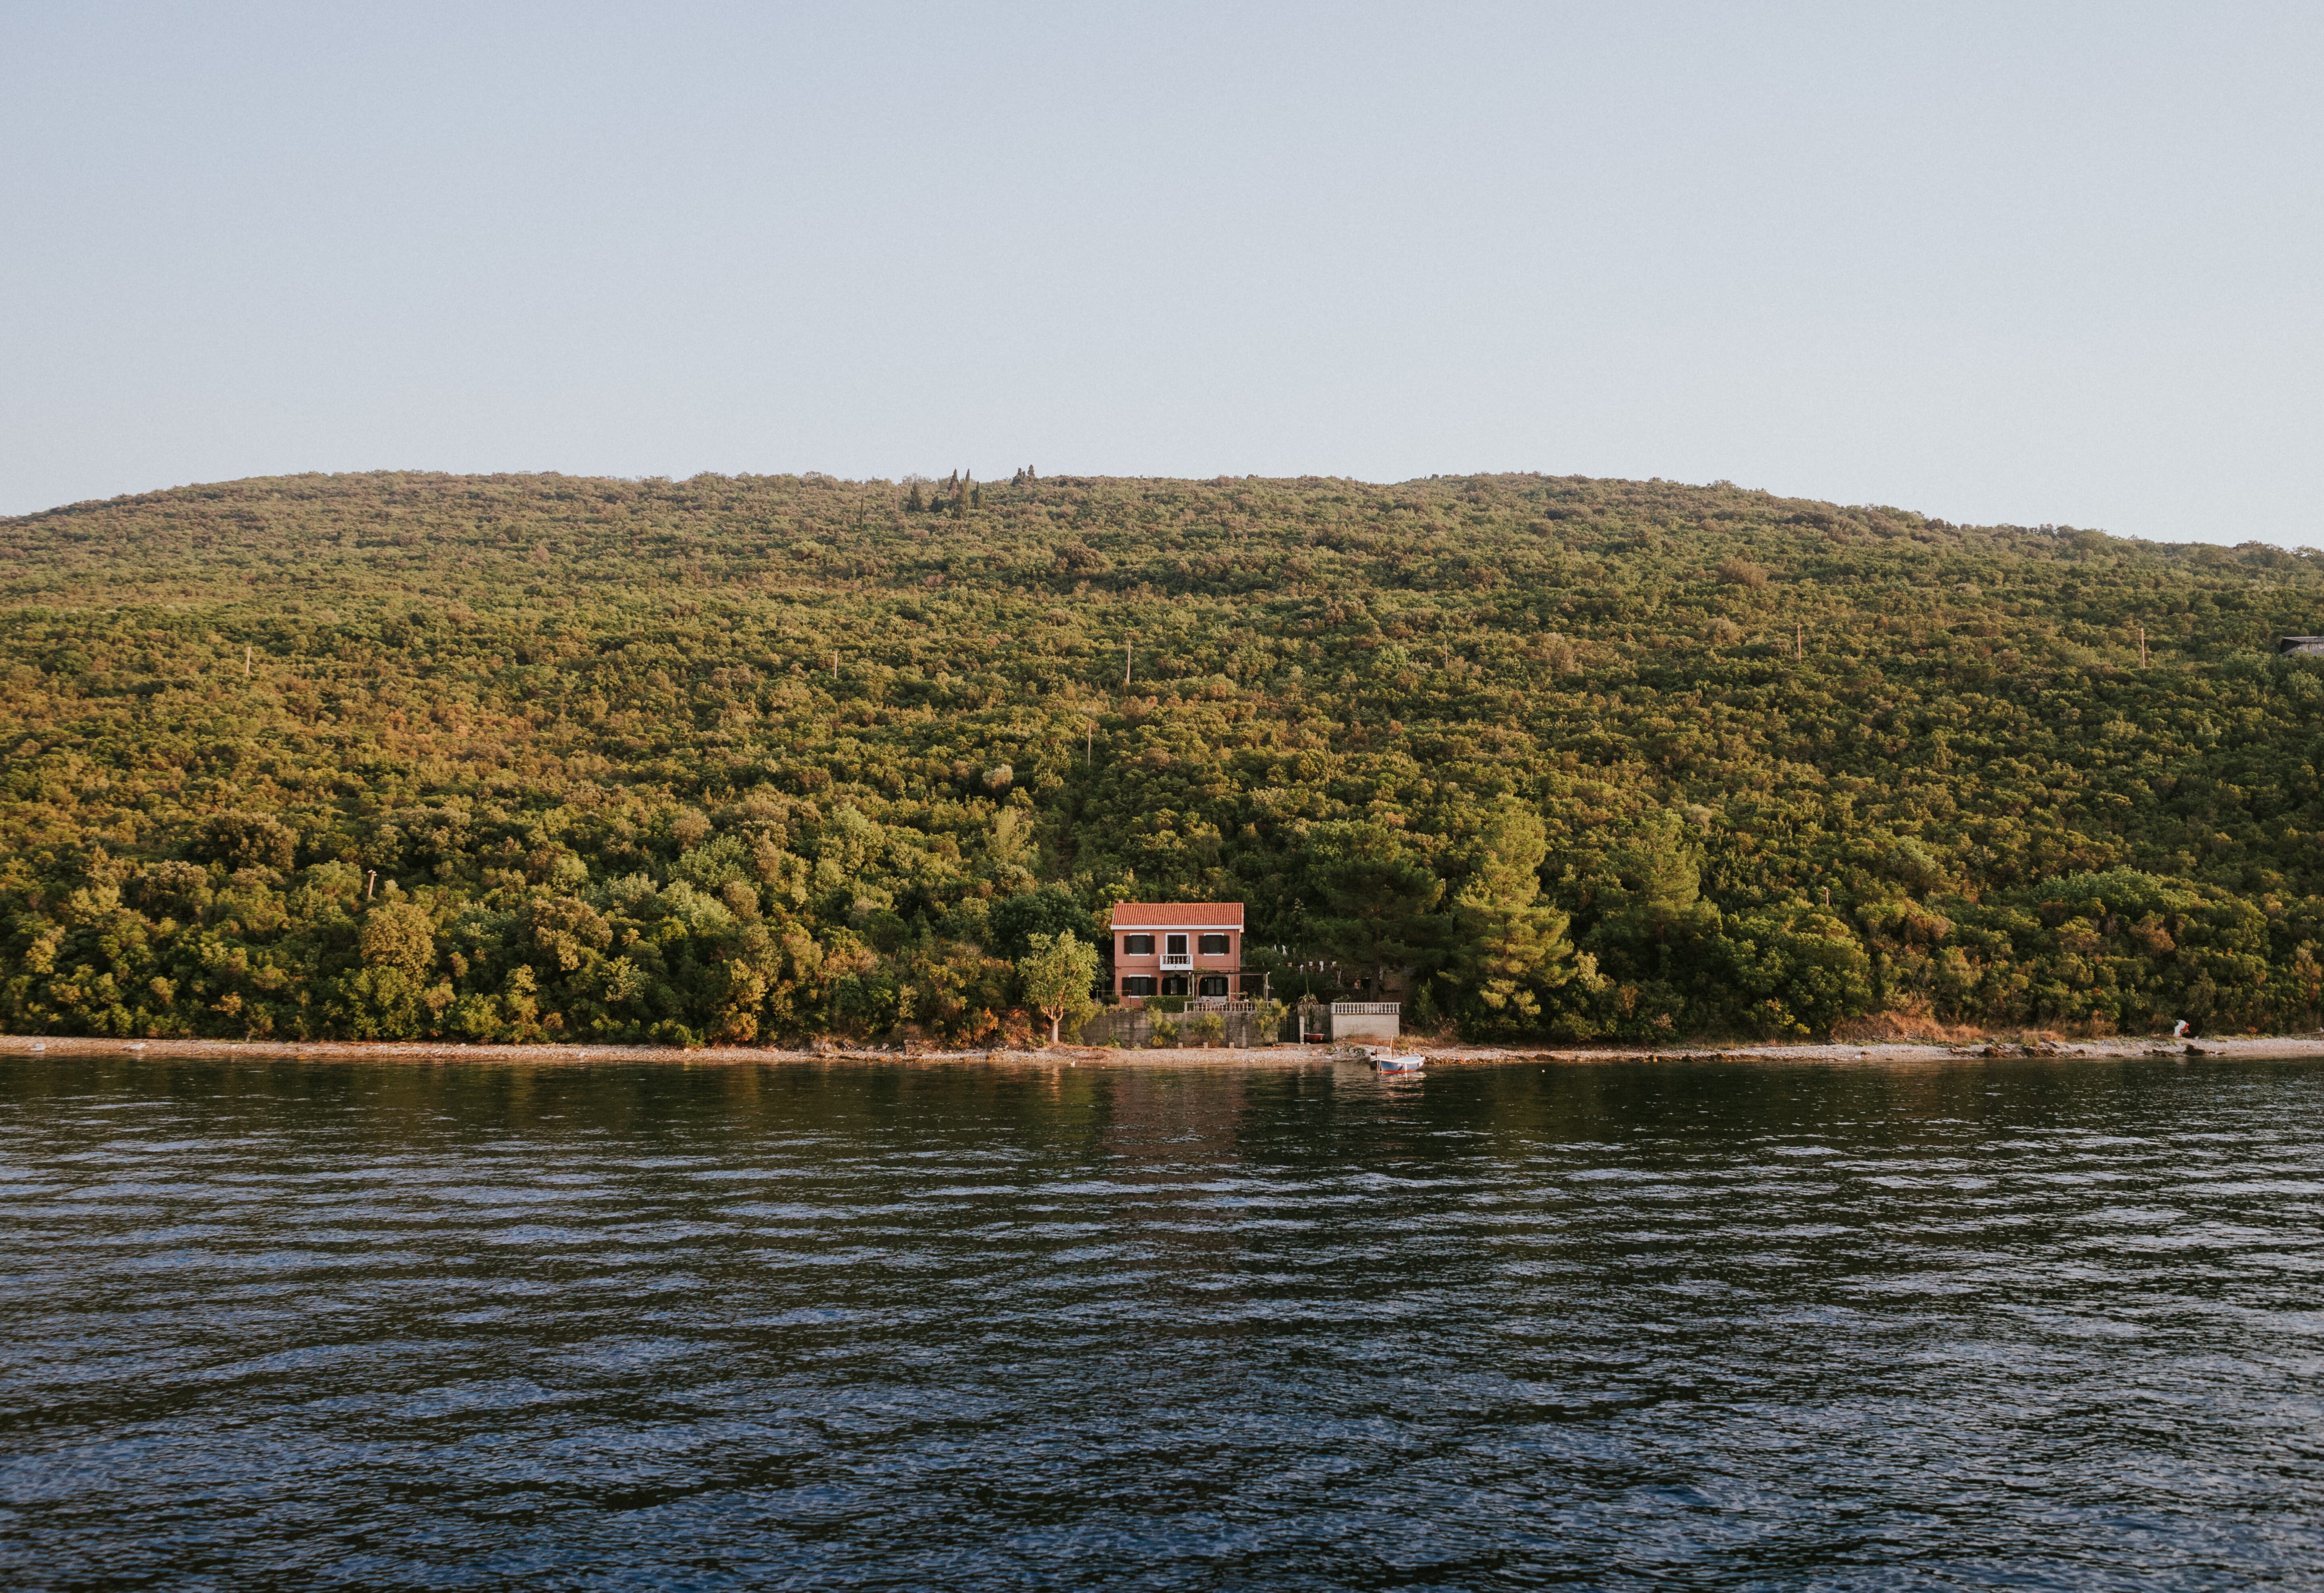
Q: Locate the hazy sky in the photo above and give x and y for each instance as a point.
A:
(2018, 262)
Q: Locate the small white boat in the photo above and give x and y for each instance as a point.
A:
(1387, 1062)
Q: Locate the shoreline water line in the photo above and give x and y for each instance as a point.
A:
(2247, 1048)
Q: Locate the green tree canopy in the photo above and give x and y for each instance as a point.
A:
(1053, 910)
(1374, 898)
(1509, 948)
(773, 757)
(1057, 972)
(398, 935)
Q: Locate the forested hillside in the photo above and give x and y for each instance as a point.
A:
(735, 758)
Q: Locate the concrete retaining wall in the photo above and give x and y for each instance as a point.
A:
(1367, 1026)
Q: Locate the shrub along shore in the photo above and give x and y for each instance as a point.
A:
(736, 761)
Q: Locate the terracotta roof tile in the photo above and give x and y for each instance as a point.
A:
(1176, 914)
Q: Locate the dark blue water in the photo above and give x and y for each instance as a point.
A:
(2013, 1324)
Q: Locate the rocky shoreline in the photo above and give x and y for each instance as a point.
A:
(2279, 1047)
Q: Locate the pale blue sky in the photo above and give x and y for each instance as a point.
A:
(2013, 261)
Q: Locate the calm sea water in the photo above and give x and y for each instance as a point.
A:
(1671, 1325)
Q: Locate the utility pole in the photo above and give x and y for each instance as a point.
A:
(834, 665)
(2141, 647)
(370, 879)
(1125, 666)
(1799, 641)
(245, 661)
(1089, 743)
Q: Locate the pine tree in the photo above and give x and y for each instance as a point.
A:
(1509, 945)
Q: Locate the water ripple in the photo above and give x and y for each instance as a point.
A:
(1713, 1327)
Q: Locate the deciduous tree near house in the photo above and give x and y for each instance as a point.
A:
(1057, 974)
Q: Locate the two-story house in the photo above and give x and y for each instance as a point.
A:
(1176, 949)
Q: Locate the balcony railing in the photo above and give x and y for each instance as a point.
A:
(1176, 965)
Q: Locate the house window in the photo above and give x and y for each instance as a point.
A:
(1173, 985)
(1174, 945)
(1214, 984)
(1214, 945)
(1138, 984)
(1138, 945)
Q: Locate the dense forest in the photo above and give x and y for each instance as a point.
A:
(736, 758)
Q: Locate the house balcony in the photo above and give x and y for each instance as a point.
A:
(1177, 965)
